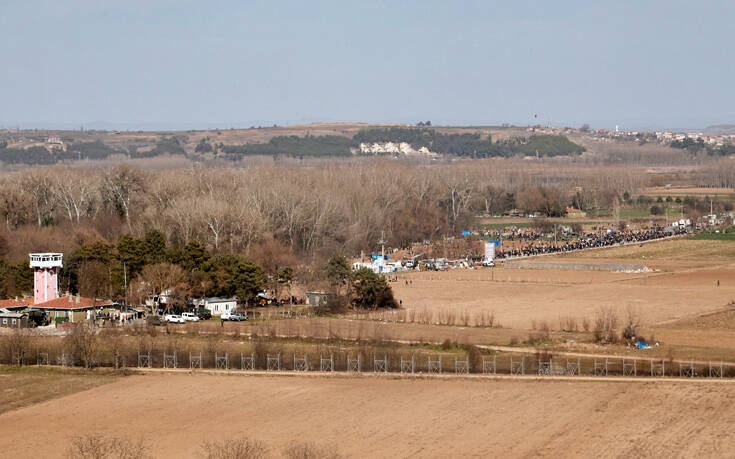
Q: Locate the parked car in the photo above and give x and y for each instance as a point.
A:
(234, 316)
(154, 320)
(204, 314)
(174, 319)
(190, 317)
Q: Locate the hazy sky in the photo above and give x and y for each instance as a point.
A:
(182, 64)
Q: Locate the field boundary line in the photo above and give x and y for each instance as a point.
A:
(442, 376)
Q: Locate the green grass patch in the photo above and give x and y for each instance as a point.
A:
(635, 212)
(713, 237)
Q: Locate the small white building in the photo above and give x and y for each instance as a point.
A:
(217, 305)
(317, 299)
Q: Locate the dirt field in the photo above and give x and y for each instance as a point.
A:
(381, 417)
(520, 296)
(689, 191)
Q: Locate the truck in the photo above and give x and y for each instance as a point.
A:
(234, 316)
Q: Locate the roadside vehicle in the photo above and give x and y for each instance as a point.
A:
(204, 314)
(174, 319)
(190, 317)
(154, 320)
(234, 316)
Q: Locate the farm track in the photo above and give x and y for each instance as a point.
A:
(443, 376)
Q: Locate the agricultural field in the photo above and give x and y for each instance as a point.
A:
(389, 417)
(28, 385)
(682, 282)
(541, 307)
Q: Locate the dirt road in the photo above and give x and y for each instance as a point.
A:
(382, 417)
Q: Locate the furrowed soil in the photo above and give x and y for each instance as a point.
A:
(388, 417)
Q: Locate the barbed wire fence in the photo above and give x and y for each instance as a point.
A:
(508, 364)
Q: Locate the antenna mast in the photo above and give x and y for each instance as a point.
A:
(382, 244)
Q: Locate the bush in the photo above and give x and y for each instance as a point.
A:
(84, 344)
(372, 291)
(304, 450)
(606, 325)
(474, 357)
(95, 446)
(238, 448)
(16, 345)
(630, 331)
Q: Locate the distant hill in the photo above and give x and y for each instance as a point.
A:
(31, 147)
(719, 129)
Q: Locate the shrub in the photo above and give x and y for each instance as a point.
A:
(304, 450)
(16, 345)
(238, 448)
(84, 344)
(95, 446)
(630, 331)
(474, 357)
(606, 325)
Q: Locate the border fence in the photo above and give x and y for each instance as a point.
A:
(426, 364)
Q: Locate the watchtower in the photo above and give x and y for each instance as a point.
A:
(45, 276)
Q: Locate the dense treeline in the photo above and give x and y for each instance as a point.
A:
(306, 210)
(279, 217)
(465, 145)
(313, 146)
(471, 144)
(694, 146)
(37, 155)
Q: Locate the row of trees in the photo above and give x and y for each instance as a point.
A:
(143, 268)
(472, 145)
(694, 146)
(302, 212)
(38, 155)
(466, 145)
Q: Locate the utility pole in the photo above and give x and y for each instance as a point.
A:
(382, 244)
(125, 278)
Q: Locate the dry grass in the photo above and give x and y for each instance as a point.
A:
(234, 448)
(29, 385)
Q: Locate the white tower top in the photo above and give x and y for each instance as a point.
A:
(46, 260)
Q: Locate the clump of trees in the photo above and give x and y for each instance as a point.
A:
(361, 289)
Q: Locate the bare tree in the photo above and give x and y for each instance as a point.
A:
(164, 277)
(84, 344)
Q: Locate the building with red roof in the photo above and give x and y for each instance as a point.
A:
(17, 303)
(46, 296)
(75, 308)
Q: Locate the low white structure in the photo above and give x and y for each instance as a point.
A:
(317, 298)
(217, 305)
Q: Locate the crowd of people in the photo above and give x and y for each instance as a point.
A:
(586, 241)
